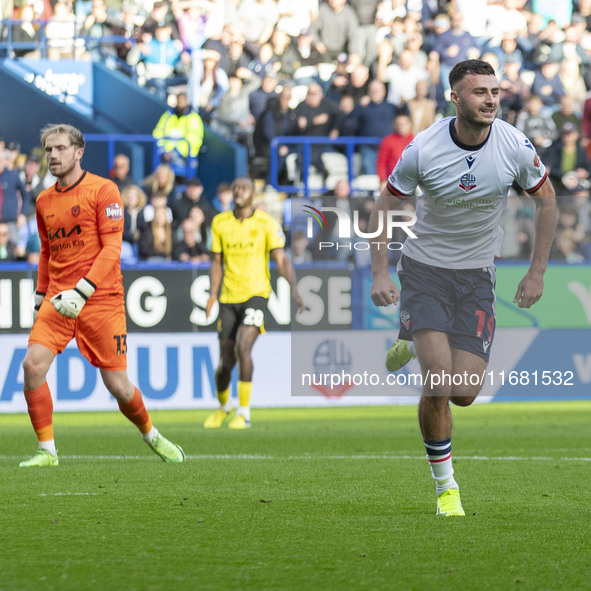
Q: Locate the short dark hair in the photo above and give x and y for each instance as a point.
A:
(468, 67)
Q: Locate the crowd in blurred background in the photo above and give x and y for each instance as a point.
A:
(254, 70)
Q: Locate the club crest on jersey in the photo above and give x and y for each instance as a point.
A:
(75, 211)
(470, 161)
(114, 211)
(468, 182)
(537, 161)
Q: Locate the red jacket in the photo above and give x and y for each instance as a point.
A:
(389, 153)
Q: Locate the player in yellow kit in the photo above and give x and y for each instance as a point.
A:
(79, 292)
(243, 241)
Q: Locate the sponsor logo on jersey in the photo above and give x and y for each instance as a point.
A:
(75, 211)
(470, 161)
(114, 211)
(63, 233)
(468, 182)
(537, 161)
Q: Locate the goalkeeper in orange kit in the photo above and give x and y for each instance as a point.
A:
(79, 292)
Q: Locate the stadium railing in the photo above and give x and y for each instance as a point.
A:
(303, 147)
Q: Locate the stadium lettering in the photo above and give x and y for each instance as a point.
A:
(63, 233)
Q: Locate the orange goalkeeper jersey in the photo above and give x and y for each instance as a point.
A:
(81, 228)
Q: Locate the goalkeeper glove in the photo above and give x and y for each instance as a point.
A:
(39, 297)
(69, 302)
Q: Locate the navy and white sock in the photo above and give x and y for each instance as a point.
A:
(439, 456)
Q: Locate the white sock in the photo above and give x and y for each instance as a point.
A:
(411, 348)
(150, 434)
(48, 446)
(443, 485)
(244, 411)
(226, 407)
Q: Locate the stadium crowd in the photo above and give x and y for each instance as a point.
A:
(254, 70)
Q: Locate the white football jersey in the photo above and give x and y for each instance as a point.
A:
(464, 191)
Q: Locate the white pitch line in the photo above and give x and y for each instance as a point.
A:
(68, 494)
(385, 456)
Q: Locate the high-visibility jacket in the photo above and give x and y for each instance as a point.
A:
(187, 127)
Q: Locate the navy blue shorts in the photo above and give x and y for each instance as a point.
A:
(459, 302)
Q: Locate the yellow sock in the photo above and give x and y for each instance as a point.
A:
(244, 389)
(224, 396)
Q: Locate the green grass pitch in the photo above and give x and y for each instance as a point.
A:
(307, 499)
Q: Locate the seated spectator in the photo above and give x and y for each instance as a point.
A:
(146, 215)
(548, 86)
(514, 91)
(421, 108)
(188, 250)
(566, 248)
(265, 63)
(26, 32)
(160, 16)
(159, 57)
(402, 76)
(207, 83)
(298, 252)
(192, 196)
(134, 200)
(155, 243)
(233, 118)
(296, 16)
(258, 98)
(15, 202)
(536, 125)
(566, 155)
(224, 198)
(392, 146)
(31, 179)
(257, 18)
(98, 24)
(573, 82)
(60, 31)
(285, 54)
(202, 228)
(185, 124)
(346, 125)
(161, 182)
(335, 28)
(119, 173)
(8, 248)
(566, 113)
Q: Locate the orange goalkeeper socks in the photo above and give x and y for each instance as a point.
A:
(40, 407)
(136, 412)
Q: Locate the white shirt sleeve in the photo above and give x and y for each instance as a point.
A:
(531, 172)
(404, 179)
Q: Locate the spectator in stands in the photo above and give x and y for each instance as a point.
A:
(535, 124)
(258, 98)
(192, 196)
(298, 251)
(258, 19)
(15, 202)
(188, 250)
(452, 47)
(134, 200)
(548, 86)
(128, 26)
(8, 250)
(159, 57)
(519, 229)
(392, 146)
(396, 38)
(566, 248)
(161, 183)
(421, 108)
(207, 83)
(155, 243)
(316, 116)
(285, 54)
(566, 113)
(99, 24)
(26, 32)
(357, 84)
(514, 91)
(237, 56)
(364, 41)
(233, 118)
(307, 56)
(572, 81)
(202, 228)
(119, 174)
(335, 28)
(31, 179)
(402, 77)
(374, 119)
(296, 16)
(60, 31)
(191, 17)
(566, 155)
(277, 120)
(265, 63)
(181, 122)
(224, 198)
(160, 16)
(221, 43)
(346, 126)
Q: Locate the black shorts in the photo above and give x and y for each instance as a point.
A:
(249, 313)
(459, 302)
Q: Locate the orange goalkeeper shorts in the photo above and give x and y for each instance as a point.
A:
(100, 331)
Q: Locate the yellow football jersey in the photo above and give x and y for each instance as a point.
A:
(245, 246)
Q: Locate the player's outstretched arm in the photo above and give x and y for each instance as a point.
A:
(286, 271)
(531, 287)
(215, 279)
(383, 290)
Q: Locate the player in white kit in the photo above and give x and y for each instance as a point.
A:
(464, 167)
